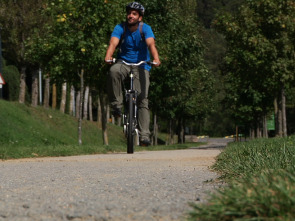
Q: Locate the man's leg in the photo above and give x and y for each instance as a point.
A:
(116, 74)
(141, 84)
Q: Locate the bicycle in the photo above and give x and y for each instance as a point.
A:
(129, 117)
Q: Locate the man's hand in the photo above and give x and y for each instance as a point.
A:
(108, 60)
(157, 62)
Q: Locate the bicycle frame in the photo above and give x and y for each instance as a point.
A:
(130, 115)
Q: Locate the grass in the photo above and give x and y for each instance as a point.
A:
(27, 132)
(260, 178)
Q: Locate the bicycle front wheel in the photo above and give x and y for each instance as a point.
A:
(131, 124)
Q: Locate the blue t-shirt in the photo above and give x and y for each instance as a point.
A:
(133, 48)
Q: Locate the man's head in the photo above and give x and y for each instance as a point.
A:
(135, 12)
(135, 6)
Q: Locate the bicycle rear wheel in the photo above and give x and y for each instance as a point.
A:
(130, 124)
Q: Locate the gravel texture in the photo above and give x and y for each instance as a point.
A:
(140, 186)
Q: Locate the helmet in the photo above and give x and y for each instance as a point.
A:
(135, 6)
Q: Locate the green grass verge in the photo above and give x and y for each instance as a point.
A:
(27, 131)
(260, 178)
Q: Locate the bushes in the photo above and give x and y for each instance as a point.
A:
(12, 79)
(261, 182)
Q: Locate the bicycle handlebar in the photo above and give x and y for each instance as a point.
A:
(133, 64)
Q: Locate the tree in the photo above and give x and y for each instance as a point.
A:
(76, 38)
(260, 57)
(19, 19)
(218, 122)
(182, 83)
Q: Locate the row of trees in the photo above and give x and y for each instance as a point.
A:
(67, 39)
(259, 66)
(240, 68)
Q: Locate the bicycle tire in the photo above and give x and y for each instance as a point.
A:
(130, 126)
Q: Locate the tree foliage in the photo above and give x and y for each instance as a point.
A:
(182, 85)
(207, 9)
(77, 37)
(19, 20)
(260, 56)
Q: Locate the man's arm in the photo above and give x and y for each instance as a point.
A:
(152, 48)
(111, 49)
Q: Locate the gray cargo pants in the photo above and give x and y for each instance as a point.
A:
(119, 72)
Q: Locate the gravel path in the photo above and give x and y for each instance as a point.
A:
(142, 186)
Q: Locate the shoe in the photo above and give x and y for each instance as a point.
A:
(144, 142)
(116, 112)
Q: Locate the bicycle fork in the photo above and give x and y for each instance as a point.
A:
(131, 94)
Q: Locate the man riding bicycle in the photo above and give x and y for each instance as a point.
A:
(136, 41)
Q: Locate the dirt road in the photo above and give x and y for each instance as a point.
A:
(142, 186)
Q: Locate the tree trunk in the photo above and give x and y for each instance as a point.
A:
(80, 107)
(90, 107)
(183, 128)
(46, 92)
(258, 130)
(252, 133)
(22, 87)
(108, 110)
(63, 97)
(276, 109)
(113, 119)
(35, 89)
(155, 137)
(78, 98)
(284, 118)
(99, 110)
(265, 133)
(72, 101)
(181, 131)
(104, 119)
(279, 121)
(86, 96)
(54, 96)
(171, 132)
